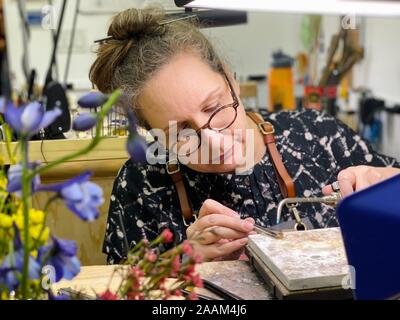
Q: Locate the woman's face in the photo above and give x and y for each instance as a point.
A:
(183, 95)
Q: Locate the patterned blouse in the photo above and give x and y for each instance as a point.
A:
(314, 148)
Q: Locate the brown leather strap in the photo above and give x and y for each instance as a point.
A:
(177, 178)
(285, 182)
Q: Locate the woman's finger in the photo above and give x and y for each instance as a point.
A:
(223, 248)
(250, 219)
(221, 221)
(360, 177)
(214, 234)
(327, 190)
(347, 181)
(211, 206)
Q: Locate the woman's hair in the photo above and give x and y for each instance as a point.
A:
(140, 42)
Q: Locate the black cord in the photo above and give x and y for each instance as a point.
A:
(42, 136)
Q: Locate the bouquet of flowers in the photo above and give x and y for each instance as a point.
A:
(154, 275)
(31, 258)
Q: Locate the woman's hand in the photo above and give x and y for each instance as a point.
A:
(360, 177)
(219, 231)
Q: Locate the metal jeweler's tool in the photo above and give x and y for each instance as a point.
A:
(269, 232)
(291, 203)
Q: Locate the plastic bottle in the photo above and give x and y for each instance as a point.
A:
(280, 83)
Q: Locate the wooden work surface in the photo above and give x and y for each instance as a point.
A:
(238, 277)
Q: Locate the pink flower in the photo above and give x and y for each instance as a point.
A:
(176, 264)
(167, 294)
(190, 269)
(151, 256)
(136, 272)
(197, 282)
(197, 258)
(177, 293)
(192, 296)
(187, 248)
(167, 235)
(135, 295)
(108, 295)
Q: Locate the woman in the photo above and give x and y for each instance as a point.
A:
(176, 81)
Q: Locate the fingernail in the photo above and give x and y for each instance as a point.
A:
(243, 241)
(250, 220)
(248, 225)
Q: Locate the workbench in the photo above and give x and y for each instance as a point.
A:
(237, 277)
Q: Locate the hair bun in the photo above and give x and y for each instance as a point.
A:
(133, 23)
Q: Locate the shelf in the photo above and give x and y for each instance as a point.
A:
(104, 160)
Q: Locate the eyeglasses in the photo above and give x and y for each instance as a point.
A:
(189, 141)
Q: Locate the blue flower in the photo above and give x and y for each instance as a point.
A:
(92, 100)
(80, 195)
(15, 175)
(8, 277)
(61, 254)
(12, 265)
(29, 119)
(136, 144)
(136, 147)
(84, 121)
(63, 296)
(132, 121)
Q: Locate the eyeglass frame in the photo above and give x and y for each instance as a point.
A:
(235, 104)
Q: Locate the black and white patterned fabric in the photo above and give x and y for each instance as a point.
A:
(314, 148)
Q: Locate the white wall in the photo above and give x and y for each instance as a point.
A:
(247, 47)
(380, 68)
(92, 24)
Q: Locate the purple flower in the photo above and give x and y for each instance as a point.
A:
(84, 121)
(92, 100)
(15, 177)
(137, 146)
(132, 121)
(62, 296)
(12, 265)
(8, 277)
(80, 195)
(61, 254)
(29, 119)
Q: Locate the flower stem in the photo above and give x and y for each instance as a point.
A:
(26, 186)
(95, 141)
(8, 138)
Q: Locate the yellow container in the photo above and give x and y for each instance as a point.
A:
(281, 84)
